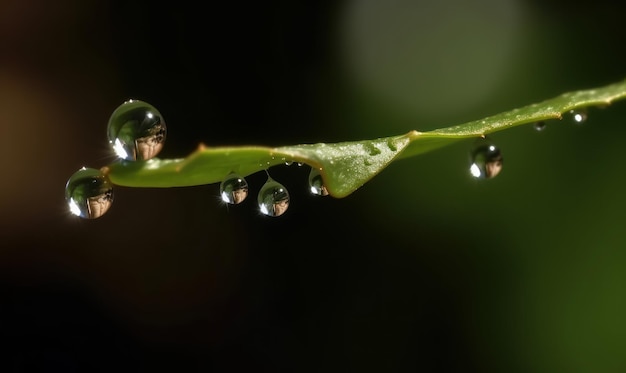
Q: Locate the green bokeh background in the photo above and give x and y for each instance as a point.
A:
(422, 269)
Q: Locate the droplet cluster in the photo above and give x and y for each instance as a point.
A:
(273, 198)
(486, 157)
(575, 116)
(136, 132)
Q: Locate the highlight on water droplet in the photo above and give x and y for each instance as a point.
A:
(89, 193)
(273, 198)
(486, 159)
(578, 116)
(234, 189)
(316, 183)
(136, 131)
(539, 126)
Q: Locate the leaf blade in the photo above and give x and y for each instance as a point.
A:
(345, 166)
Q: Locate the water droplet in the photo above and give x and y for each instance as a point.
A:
(234, 189)
(89, 193)
(136, 131)
(578, 115)
(288, 163)
(486, 159)
(273, 198)
(372, 149)
(539, 126)
(300, 164)
(316, 183)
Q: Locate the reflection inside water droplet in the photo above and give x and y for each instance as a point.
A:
(136, 131)
(316, 183)
(486, 159)
(578, 116)
(273, 198)
(89, 193)
(539, 126)
(234, 189)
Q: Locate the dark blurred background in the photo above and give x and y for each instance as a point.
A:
(423, 269)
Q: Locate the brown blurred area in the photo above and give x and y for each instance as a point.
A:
(408, 274)
(56, 74)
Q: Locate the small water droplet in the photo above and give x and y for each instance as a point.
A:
(288, 163)
(273, 198)
(136, 131)
(578, 116)
(486, 159)
(539, 126)
(372, 149)
(316, 183)
(234, 189)
(300, 164)
(89, 193)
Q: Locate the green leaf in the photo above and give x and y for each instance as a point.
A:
(344, 166)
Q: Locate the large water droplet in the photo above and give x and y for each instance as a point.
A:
(136, 131)
(578, 116)
(273, 198)
(486, 159)
(316, 183)
(89, 193)
(234, 189)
